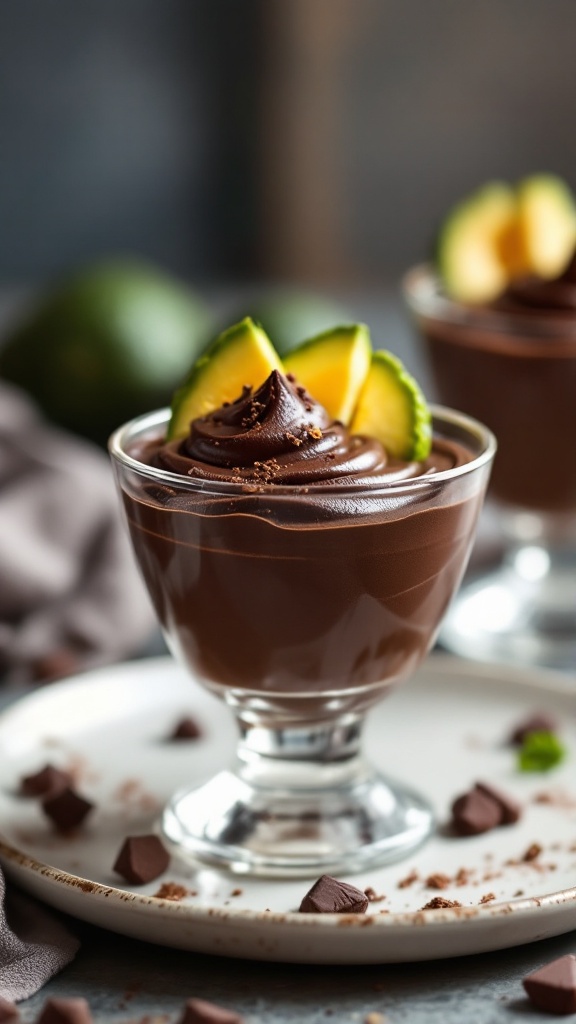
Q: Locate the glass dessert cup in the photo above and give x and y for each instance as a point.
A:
(516, 371)
(301, 608)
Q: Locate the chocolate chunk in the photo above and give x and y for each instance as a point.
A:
(329, 896)
(67, 809)
(199, 1011)
(474, 813)
(186, 729)
(48, 780)
(65, 1011)
(539, 722)
(553, 987)
(8, 1010)
(141, 859)
(510, 809)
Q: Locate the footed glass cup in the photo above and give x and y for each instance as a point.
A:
(516, 371)
(301, 609)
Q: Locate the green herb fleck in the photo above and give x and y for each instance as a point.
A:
(540, 751)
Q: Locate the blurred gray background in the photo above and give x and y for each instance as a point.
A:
(318, 141)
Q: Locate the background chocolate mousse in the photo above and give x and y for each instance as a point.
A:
(513, 366)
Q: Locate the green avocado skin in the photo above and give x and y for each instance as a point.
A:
(106, 344)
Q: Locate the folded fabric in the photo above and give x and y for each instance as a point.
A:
(70, 596)
(34, 945)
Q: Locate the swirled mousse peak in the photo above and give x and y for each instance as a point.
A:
(277, 434)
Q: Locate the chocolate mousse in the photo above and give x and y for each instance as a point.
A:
(511, 364)
(288, 557)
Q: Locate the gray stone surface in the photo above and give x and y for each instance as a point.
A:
(125, 980)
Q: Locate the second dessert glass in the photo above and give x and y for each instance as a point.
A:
(301, 608)
(515, 369)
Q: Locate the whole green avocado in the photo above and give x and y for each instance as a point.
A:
(106, 344)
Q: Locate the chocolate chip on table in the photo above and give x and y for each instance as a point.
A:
(8, 1010)
(553, 987)
(538, 722)
(141, 859)
(48, 780)
(200, 1011)
(67, 809)
(510, 809)
(186, 729)
(474, 813)
(329, 896)
(65, 1011)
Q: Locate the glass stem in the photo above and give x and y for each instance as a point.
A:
(319, 755)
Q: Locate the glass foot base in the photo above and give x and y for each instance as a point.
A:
(304, 832)
(506, 617)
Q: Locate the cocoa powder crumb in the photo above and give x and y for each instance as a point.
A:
(556, 798)
(236, 892)
(464, 875)
(172, 891)
(373, 896)
(438, 881)
(532, 853)
(487, 897)
(409, 880)
(293, 439)
(440, 903)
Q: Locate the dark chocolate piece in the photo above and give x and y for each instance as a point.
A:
(48, 780)
(510, 809)
(199, 1011)
(473, 813)
(538, 722)
(66, 809)
(553, 987)
(187, 729)
(141, 859)
(8, 1010)
(329, 896)
(65, 1011)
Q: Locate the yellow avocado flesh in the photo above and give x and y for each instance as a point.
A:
(393, 409)
(241, 356)
(333, 368)
(476, 244)
(547, 224)
(501, 233)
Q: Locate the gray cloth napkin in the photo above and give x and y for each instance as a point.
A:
(34, 945)
(70, 596)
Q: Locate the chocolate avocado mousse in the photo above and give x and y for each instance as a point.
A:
(498, 316)
(290, 558)
(512, 364)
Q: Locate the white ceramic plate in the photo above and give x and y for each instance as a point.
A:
(443, 731)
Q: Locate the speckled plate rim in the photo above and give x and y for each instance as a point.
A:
(45, 877)
(9, 855)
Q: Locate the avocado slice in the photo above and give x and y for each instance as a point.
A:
(547, 224)
(477, 243)
(333, 366)
(392, 408)
(242, 355)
